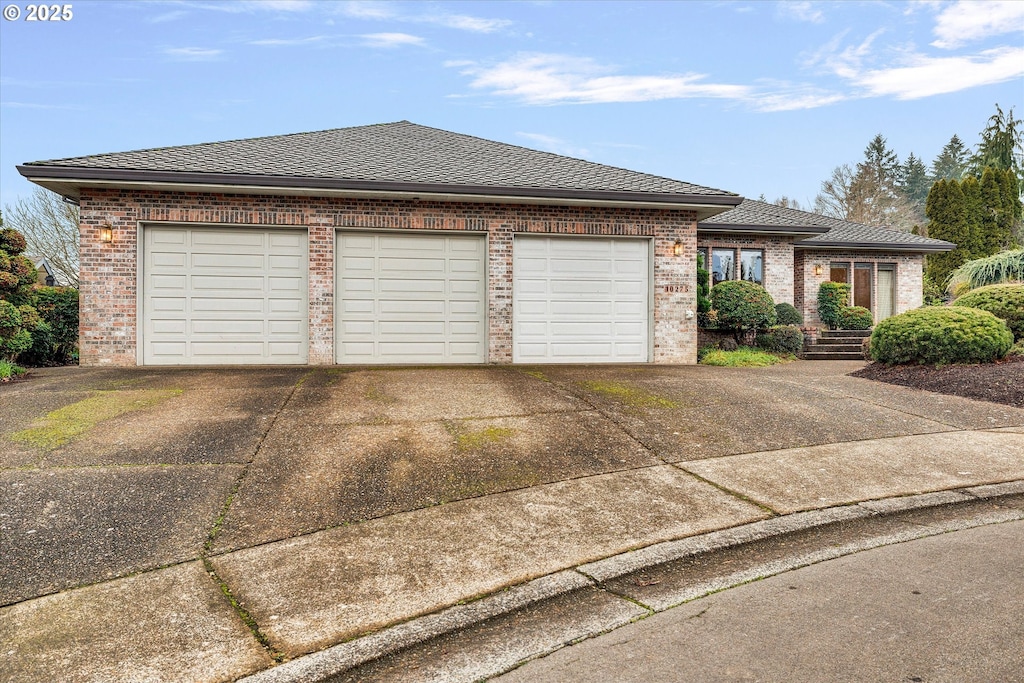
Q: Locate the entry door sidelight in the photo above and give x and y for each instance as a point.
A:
(862, 285)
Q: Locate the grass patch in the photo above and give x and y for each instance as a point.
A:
(631, 396)
(9, 370)
(471, 441)
(64, 424)
(744, 357)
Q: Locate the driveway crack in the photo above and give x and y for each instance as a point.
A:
(211, 536)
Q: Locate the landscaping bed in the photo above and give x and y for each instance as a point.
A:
(999, 382)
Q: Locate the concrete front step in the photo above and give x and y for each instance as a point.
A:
(835, 334)
(841, 341)
(833, 348)
(829, 355)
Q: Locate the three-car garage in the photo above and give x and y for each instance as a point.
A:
(222, 295)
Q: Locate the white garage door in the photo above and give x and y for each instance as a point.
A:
(406, 298)
(232, 296)
(580, 300)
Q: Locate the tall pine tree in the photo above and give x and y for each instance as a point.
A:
(914, 182)
(951, 164)
(1001, 144)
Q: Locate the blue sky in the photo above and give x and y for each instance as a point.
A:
(752, 97)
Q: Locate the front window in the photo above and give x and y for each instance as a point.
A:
(722, 265)
(752, 266)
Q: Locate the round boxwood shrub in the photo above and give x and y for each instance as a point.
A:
(781, 339)
(832, 298)
(742, 305)
(1004, 301)
(786, 314)
(855, 318)
(941, 335)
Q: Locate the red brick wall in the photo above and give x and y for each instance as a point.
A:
(109, 273)
(778, 258)
(909, 270)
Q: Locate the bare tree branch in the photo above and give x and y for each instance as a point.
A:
(50, 226)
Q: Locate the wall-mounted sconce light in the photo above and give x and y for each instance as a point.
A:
(818, 270)
(677, 248)
(107, 233)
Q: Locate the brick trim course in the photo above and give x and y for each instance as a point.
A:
(109, 272)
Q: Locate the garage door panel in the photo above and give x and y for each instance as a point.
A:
(580, 299)
(239, 296)
(424, 297)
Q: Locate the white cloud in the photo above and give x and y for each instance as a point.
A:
(970, 20)
(235, 7)
(193, 54)
(388, 40)
(549, 143)
(167, 16)
(281, 42)
(800, 11)
(367, 9)
(923, 76)
(464, 22)
(561, 79)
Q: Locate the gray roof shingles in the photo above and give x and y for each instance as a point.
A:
(401, 152)
(840, 233)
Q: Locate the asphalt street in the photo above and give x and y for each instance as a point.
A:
(944, 608)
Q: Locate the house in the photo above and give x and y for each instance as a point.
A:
(791, 252)
(397, 243)
(46, 275)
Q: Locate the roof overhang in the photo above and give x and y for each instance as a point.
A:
(69, 182)
(793, 230)
(875, 246)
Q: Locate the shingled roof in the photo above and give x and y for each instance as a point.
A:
(399, 156)
(832, 233)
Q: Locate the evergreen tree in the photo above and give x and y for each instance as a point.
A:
(1001, 144)
(914, 182)
(973, 244)
(951, 164)
(946, 210)
(1011, 210)
(881, 165)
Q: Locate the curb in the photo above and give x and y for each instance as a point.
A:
(338, 659)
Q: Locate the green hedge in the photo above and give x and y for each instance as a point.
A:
(786, 314)
(781, 339)
(742, 305)
(855, 318)
(1003, 301)
(941, 335)
(832, 298)
(54, 343)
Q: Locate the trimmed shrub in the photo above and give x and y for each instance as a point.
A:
(742, 305)
(55, 344)
(1003, 301)
(1018, 349)
(941, 335)
(855, 318)
(703, 286)
(786, 314)
(833, 297)
(781, 339)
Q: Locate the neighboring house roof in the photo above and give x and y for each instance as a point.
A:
(829, 233)
(398, 157)
(42, 265)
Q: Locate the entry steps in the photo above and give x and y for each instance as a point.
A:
(836, 345)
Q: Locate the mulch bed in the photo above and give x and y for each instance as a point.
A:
(999, 382)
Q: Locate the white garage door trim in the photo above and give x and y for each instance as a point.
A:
(224, 296)
(410, 297)
(581, 299)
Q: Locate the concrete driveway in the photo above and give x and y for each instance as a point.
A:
(326, 501)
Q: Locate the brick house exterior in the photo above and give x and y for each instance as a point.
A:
(110, 278)
(425, 186)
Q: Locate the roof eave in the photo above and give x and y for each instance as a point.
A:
(67, 180)
(795, 230)
(877, 246)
